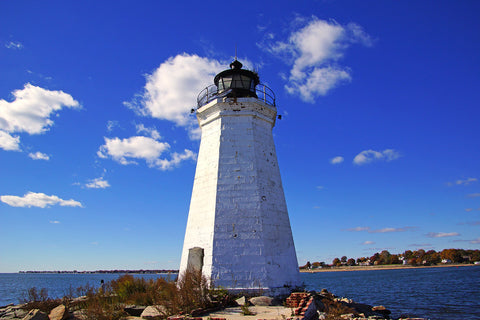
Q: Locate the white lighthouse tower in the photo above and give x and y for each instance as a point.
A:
(238, 231)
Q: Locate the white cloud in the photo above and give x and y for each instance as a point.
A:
(39, 156)
(368, 242)
(111, 124)
(171, 90)
(313, 52)
(98, 183)
(30, 112)
(14, 45)
(126, 151)
(464, 182)
(476, 241)
(386, 230)
(336, 160)
(41, 200)
(442, 234)
(359, 229)
(383, 230)
(152, 132)
(55, 222)
(368, 156)
(137, 147)
(9, 142)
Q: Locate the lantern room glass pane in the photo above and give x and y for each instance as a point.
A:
(227, 81)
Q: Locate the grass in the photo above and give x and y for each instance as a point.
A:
(191, 292)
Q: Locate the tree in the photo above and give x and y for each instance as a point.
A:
(351, 262)
(343, 259)
(385, 257)
(408, 254)
(336, 262)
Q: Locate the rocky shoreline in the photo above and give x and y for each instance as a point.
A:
(298, 306)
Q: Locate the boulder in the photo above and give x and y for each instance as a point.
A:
(153, 312)
(36, 314)
(241, 301)
(261, 301)
(59, 313)
(381, 310)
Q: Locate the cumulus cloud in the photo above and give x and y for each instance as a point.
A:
(152, 132)
(98, 183)
(368, 156)
(171, 90)
(39, 156)
(336, 160)
(30, 112)
(313, 52)
(442, 234)
(127, 151)
(40, 200)
(9, 142)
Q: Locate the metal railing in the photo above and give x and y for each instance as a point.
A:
(210, 93)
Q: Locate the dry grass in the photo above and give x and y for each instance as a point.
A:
(189, 293)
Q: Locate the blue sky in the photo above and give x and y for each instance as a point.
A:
(378, 146)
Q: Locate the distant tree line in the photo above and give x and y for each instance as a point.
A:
(414, 258)
(108, 271)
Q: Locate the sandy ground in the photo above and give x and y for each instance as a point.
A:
(235, 313)
(387, 267)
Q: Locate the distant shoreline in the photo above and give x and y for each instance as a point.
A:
(105, 272)
(382, 267)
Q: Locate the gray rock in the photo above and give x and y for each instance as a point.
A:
(59, 313)
(261, 301)
(36, 314)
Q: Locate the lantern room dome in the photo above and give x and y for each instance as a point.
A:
(237, 82)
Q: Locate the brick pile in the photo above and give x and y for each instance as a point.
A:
(296, 298)
(304, 304)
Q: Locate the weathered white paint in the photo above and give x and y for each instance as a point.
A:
(238, 213)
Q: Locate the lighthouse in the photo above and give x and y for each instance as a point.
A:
(238, 230)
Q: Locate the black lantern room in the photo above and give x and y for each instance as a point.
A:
(237, 82)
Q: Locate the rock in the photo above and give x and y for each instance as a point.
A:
(261, 301)
(134, 310)
(59, 313)
(36, 314)
(77, 315)
(153, 311)
(241, 301)
(381, 310)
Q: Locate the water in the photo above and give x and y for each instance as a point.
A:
(434, 293)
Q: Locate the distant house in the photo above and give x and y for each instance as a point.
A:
(365, 263)
(476, 262)
(446, 261)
